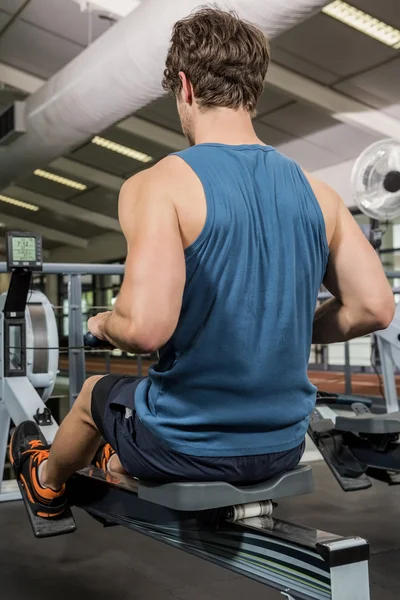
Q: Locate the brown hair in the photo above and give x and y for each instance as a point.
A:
(224, 58)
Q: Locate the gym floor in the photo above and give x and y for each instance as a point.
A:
(118, 563)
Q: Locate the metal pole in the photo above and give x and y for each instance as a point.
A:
(389, 375)
(4, 432)
(347, 370)
(100, 269)
(7, 491)
(76, 268)
(76, 353)
(139, 365)
(324, 357)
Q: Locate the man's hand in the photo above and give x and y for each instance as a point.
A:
(96, 325)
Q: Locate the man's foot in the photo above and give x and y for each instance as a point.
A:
(28, 450)
(103, 457)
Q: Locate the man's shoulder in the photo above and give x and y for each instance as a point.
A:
(165, 174)
(328, 200)
(326, 196)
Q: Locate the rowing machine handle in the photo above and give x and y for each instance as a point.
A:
(91, 341)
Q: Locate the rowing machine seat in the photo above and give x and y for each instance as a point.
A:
(369, 423)
(191, 496)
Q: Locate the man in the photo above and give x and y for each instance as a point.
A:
(228, 244)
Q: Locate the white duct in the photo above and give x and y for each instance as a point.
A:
(118, 74)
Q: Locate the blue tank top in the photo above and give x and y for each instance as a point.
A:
(232, 380)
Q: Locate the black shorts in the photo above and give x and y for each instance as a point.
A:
(147, 457)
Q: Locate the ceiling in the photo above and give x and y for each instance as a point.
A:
(47, 34)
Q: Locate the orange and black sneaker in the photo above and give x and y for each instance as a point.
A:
(28, 449)
(102, 456)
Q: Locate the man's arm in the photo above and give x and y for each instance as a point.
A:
(147, 309)
(363, 300)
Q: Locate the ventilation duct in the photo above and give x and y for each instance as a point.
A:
(12, 123)
(118, 74)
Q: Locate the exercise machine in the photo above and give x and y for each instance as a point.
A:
(28, 330)
(363, 444)
(232, 526)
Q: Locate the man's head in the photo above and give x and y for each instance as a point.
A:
(215, 60)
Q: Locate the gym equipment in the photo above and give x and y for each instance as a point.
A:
(389, 351)
(366, 444)
(92, 342)
(24, 250)
(376, 180)
(358, 447)
(341, 399)
(29, 368)
(229, 525)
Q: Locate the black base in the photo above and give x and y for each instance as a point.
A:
(330, 398)
(348, 470)
(43, 527)
(340, 466)
(353, 457)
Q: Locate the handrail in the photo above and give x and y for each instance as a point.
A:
(103, 269)
(76, 269)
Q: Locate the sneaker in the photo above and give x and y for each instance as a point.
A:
(28, 449)
(102, 457)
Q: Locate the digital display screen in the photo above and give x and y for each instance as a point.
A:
(24, 249)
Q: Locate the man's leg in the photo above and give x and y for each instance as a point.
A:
(76, 441)
(43, 470)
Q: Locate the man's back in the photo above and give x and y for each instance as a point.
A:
(232, 379)
(227, 247)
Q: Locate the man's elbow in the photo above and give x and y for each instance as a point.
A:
(382, 313)
(144, 341)
(147, 346)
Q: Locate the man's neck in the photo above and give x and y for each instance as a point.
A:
(225, 126)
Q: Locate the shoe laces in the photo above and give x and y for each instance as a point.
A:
(35, 443)
(36, 454)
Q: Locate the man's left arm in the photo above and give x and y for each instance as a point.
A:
(147, 309)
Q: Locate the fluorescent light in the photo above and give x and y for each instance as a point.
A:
(120, 149)
(18, 203)
(363, 22)
(120, 8)
(61, 180)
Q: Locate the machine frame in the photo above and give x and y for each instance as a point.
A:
(302, 563)
(389, 352)
(362, 444)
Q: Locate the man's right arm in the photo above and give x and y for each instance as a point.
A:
(362, 297)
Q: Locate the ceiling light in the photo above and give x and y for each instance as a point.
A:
(19, 203)
(114, 147)
(120, 8)
(363, 22)
(61, 180)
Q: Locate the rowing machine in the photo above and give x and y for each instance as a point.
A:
(229, 525)
(362, 444)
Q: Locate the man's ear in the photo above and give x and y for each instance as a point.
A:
(187, 90)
